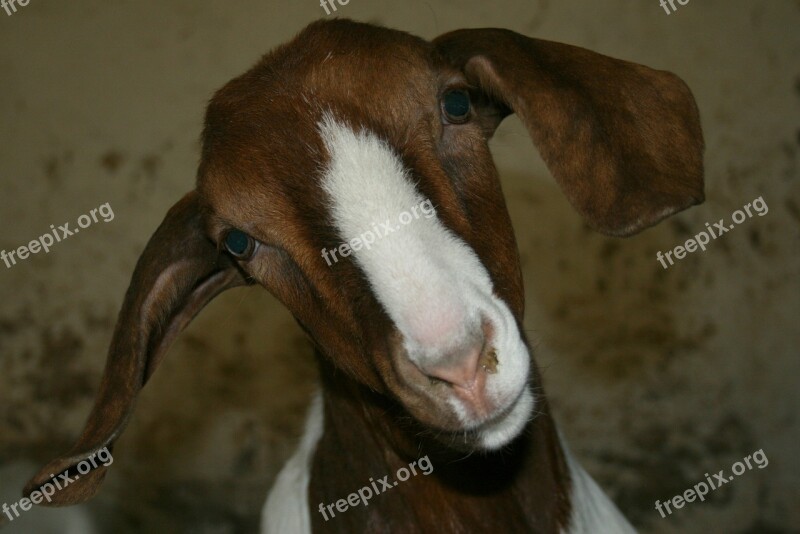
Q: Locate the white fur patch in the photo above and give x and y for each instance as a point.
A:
(592, 510)
(430, 282)
(286, 509)
(498, 434)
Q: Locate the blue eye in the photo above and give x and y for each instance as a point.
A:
(455, 105)
(239, 243)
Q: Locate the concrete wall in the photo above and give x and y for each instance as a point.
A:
(656, 376)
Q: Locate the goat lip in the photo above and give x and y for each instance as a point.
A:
(501, 410)
(473, 396)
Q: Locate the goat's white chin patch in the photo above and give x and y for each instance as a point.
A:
(499, 433)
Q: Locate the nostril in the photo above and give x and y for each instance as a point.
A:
(459, 370)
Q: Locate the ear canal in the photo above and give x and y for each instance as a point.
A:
(178, 273)
(622, 140)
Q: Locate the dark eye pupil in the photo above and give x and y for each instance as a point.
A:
(456, 104)
(237, 242)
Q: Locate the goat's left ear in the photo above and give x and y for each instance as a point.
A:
(622, 140)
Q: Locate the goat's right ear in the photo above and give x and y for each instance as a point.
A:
(622, 140)
(179, 272)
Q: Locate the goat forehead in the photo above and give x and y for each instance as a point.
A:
(365, 72)
(262, 152)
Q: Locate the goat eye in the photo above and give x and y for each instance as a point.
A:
(239, 244)
(455, 105)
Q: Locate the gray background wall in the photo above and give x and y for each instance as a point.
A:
(656, 377)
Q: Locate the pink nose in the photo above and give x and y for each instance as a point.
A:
(459, 369)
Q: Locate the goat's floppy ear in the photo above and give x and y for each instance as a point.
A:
(179, 272)
(622, 140)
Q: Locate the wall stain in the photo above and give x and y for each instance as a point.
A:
(112, 160)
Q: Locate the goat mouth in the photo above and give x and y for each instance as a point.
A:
(495, 431)
(497, 415)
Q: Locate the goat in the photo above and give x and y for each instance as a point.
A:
(418, 335)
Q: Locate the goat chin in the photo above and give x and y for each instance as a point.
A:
(287, 506)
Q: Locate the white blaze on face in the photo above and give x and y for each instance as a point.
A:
(429, 281)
